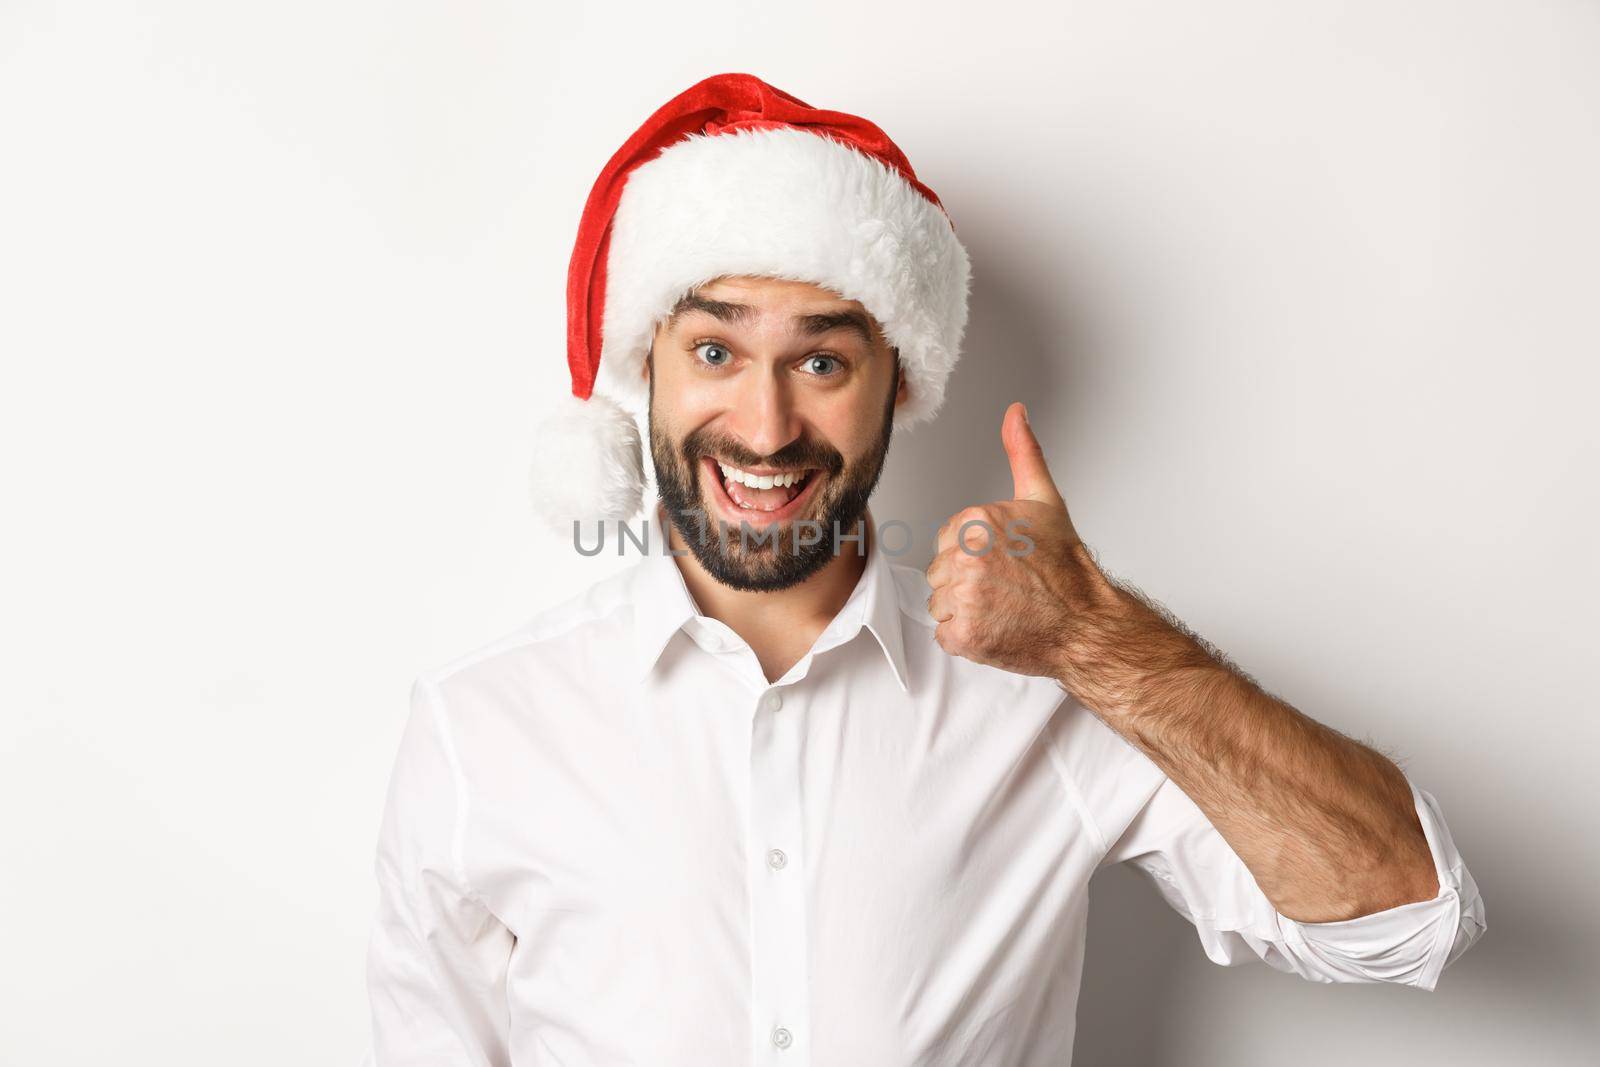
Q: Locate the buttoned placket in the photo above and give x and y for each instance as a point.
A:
(776, 867)
(779, 964)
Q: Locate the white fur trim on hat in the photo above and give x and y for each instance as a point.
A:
(587, 466)
(788, 204)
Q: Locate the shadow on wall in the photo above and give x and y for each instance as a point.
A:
(1011, 352)
(1138, 947)
(1151, 998)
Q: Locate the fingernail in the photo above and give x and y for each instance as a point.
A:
(1025, 415)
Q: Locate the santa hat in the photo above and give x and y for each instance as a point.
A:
(736, 177)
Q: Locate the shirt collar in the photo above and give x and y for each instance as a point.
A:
(663, 605)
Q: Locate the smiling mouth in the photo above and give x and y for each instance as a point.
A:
(768, 499)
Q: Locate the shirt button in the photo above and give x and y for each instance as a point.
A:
(776, 859)
(772, 701)
(782, 1038)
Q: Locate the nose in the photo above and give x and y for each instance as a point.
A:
(763, 416)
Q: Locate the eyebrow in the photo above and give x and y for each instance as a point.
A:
(812, 325)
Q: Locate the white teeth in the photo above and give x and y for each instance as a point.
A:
(759, 481)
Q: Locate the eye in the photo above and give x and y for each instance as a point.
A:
(812, 361)
(716, 353)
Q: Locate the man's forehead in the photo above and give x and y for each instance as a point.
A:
(809, 309)
(731, 286)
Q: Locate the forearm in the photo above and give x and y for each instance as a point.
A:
(1327, 826)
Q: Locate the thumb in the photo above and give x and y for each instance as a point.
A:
(1029, 474)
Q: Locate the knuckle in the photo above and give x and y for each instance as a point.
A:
(972, 513)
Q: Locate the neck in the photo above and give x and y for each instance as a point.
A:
(780, 625)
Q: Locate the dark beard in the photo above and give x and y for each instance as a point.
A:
(771, 558)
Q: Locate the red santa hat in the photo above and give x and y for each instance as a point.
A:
(736, 177)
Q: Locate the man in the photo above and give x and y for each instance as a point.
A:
(767, 796)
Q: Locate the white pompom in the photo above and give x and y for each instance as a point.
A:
(588, 464)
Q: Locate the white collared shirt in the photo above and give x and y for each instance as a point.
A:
(609, 839)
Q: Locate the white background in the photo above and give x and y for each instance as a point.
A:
(1301, 298)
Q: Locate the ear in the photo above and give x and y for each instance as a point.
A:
(903, 389)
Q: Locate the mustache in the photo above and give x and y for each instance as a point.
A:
(799, 454)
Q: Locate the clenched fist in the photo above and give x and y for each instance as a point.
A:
(1003, 602)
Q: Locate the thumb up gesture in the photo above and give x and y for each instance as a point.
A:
(1012, 580)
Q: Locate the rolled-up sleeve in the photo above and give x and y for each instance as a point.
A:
(1202, 878)
(437, 957)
